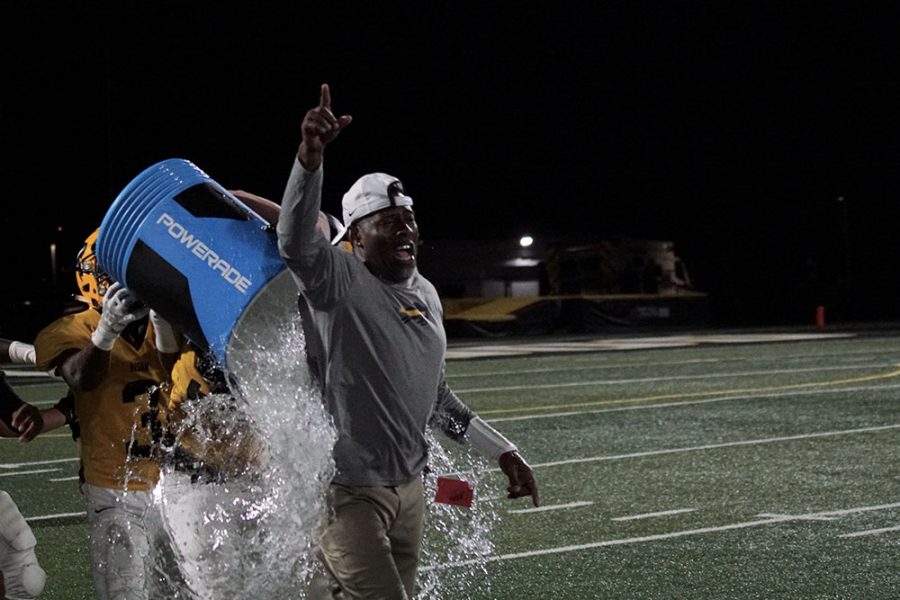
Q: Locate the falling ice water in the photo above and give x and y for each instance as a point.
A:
(457, 542)
(243, 502)
(241, 505)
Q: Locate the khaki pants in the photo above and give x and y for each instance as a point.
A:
(372, 541)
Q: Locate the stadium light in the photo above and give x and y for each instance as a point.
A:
(53, 266)
(525, 241)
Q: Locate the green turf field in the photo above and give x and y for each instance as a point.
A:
(711, 469)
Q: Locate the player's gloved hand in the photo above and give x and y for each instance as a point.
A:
(120, 309)
(521, 477)
(166, 338)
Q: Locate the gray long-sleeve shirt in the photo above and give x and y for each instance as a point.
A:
(383, 346)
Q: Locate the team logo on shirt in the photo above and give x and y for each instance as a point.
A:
(415, 313)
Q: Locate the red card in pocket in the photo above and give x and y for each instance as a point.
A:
(453, 491)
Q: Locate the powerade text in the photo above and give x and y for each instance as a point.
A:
(204, 253)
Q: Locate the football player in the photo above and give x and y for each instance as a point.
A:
(110, 356)
(21, 576)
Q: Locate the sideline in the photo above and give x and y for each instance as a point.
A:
(631, 343)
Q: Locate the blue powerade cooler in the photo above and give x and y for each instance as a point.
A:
(191, 250)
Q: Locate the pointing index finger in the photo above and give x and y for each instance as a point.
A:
(325, 97)
(535, 495)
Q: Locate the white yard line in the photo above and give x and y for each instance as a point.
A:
(32, 472)
(739, 443)
(43, 435)
(545, 386)
(725, 398)
(772, 440)
(23, 374)
(871, 532)
(764, 358)
(57, 479)
(604, 367)
(44, 403)
(650, 515)
(651, 379)
(663, 536)
(57, 516)
(631, 343)
(780, 516)
(37, 462)
(551, 507)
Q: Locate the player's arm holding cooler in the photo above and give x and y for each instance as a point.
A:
(85, 369)
(167, 341)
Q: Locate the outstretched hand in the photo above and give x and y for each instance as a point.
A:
(28, 421)
(319, 129)
(521, 477)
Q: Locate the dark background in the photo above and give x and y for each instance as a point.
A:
(729, 128)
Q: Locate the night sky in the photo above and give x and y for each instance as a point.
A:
(729, 128)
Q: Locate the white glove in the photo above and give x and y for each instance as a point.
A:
(166, 338)
(119, 311)
(21, 353)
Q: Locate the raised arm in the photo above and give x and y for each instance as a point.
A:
(319, 269)
(320, 127)
(85, 369)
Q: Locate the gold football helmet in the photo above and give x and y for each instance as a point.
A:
(92, 282)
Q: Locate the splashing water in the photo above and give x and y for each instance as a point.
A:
(242, 495)
(457, 540)
(241, 498)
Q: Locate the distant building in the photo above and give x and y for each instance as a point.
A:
(501, 287)
(503, 268)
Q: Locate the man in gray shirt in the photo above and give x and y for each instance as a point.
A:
(381, 327)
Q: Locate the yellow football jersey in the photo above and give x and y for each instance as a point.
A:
(221, 443)
(189, 381)
(117, 416)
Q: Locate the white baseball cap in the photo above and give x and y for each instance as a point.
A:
(371, 193)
